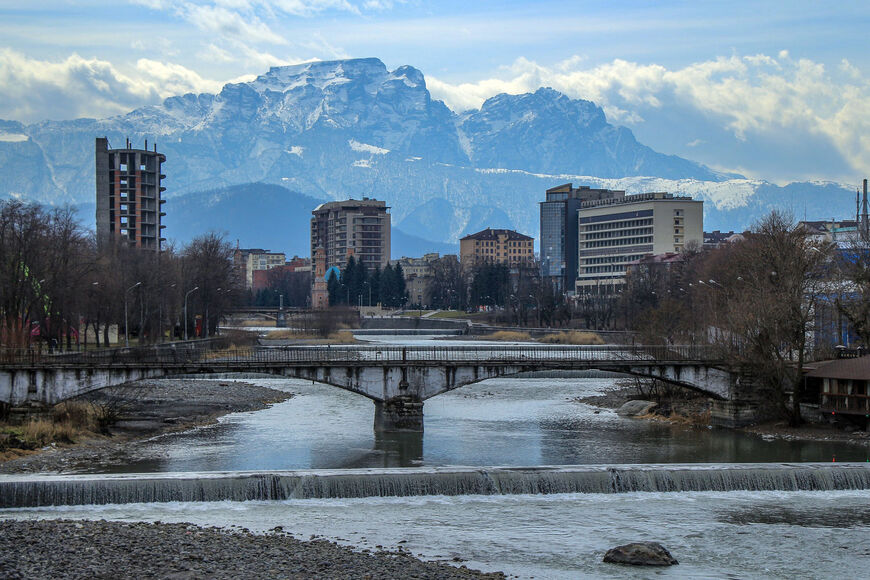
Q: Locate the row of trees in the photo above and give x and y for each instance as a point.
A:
(56, 284)
(357, 286)
(767, 304)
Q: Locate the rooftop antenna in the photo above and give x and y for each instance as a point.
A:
(864, 222)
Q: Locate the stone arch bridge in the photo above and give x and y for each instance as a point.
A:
(398, 379)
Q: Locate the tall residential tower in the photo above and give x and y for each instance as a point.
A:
(359, 228)
(129, 195)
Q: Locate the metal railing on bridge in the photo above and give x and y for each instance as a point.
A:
(369, 355)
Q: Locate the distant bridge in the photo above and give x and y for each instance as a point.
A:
(398, 379)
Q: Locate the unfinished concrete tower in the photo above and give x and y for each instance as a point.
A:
(129, 195)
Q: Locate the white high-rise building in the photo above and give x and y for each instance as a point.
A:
(614, 232)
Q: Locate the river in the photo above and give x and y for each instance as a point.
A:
(517, 422)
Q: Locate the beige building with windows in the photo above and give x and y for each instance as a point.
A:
(246, 261)
(418, 277)
(359, 228)
(615, 232)
(497, 247)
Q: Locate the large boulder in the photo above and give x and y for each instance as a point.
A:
(635, 408)
(640, 554)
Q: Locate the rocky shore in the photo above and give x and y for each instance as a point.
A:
(99, 549)
(693, 411)
(145, 410)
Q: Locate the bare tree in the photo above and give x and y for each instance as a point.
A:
(850, 289)
(762, 306)
(448, 288)
(207, 266)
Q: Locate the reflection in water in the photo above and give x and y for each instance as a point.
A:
(505, 421)
(400, 449)
(814, 516)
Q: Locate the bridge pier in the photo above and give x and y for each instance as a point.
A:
(402, 413)
(21, 414)
(734, 414)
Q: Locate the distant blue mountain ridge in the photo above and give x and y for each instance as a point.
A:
(258, 215)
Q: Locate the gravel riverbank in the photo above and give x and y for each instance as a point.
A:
(100, 549)
(147, 409)
(692, 411)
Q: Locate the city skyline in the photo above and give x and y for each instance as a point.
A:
(766, 90)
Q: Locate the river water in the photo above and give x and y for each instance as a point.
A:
(504, 421)
(518, 422)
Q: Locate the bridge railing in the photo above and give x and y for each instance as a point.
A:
(188, 353)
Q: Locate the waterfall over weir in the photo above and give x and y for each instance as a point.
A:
(34, 491)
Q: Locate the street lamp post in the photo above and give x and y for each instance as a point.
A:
(126, 329)
(189, 292)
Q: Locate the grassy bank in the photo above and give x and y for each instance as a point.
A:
(68, 423)
(340, 337)
(508, 336)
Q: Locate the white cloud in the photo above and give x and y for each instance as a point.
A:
(174, 79)
(32, 90)
(311, 7)
(229, 23)
(214, 53)
(750, 95)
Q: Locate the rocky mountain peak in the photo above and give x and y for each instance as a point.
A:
(321, 74)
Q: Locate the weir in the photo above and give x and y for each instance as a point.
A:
(34, 491)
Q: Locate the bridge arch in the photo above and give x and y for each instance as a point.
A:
(714, 383)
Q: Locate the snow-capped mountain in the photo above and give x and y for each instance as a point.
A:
(353, 128)
(547, 132)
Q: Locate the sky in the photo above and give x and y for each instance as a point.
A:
(774, 90)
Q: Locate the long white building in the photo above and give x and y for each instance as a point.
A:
(614, 232)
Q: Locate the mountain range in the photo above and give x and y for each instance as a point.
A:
(353, 128)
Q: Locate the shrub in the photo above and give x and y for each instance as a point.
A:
(509, 335)
(38, 432)
(572, 337)
(77, 413)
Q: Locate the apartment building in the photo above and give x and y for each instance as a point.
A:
(418, 276)
(129, 194)
(246, 261)
(558, 243)
(296, 266)
(359, 228)
(614, 232)
(492, 246)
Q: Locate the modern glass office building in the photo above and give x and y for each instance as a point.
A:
(559, 230)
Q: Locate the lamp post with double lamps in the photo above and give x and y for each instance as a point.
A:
(189, 292)
(126, 330)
